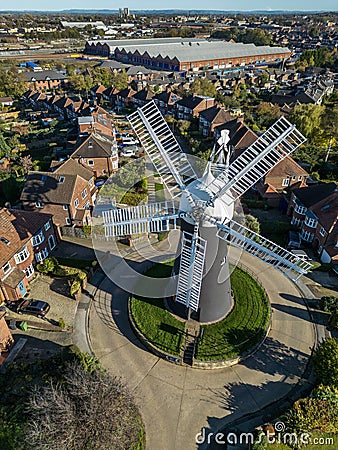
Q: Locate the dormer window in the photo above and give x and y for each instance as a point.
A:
(61, 180)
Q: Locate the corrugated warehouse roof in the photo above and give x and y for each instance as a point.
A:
(204, 50)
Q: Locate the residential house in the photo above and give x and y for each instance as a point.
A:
(142, 97)
(97, 91)
(314, 209)
(6, 101)
(124, 99)
(211, 118)
(46, 80)
(285, 176)
(68, 193)
(26, 238)
(166, 102)
(97, 153)
(109, 95)
(190, 107)
(6, 338)
(98, 119)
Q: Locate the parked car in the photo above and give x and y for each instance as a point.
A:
(301, 254)
(127, 151)
(35, 307)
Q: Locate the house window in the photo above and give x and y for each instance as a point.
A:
(286, 182)
(90, 162)
(51, 242)
(311, 222)
(68, 221)
(90, 144)
(306, 235)
(21, 256)
(6, 267)
(90, 182)
(65, 207)
(84, 193)
(38, 239)
(61, 180)
(76, 202)
(41, 256)
(300, 178)
(295, 221)
(293, 177)
(47, 225)
(39, 204)
(5, 240)
(29, 271)
(322, 231)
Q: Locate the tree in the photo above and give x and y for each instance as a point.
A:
(87, 411)
(183, 125)
(308, 119)
(202, 86)
(26, 163)
(120, 80)
(329, 303)
(5, 149)
(252, 223)
(266, 114)
(325, 361)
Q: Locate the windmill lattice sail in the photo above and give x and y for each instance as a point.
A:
(162, 147)
(240, 236)
(191, 270)
(149, 218)
(280, 140)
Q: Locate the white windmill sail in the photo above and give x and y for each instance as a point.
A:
(149, 218)
(191, 270)
(240, 236)
(280, 140)
(162, 147)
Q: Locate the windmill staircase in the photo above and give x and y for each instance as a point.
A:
(192, 331)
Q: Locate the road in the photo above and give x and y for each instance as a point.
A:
(178, 402)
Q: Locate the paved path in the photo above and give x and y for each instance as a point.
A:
(178, 402)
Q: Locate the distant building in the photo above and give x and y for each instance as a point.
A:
(45, 80)
(191, 106)
(182, 54)
(97, 24)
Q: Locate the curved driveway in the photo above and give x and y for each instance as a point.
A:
(178, 402)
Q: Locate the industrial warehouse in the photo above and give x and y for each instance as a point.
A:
(178, 54)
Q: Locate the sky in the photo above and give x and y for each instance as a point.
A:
(244, 5)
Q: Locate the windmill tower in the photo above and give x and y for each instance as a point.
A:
(206, 211)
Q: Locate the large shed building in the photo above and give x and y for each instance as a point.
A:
(178, 54)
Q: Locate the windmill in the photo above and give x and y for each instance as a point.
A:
(206, 210)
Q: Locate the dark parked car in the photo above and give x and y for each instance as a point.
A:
(35, 307)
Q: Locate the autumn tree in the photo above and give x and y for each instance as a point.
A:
(87, 410)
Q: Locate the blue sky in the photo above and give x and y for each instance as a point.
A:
(172, 4)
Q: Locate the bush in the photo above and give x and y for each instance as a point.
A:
(49, 265)
(329, 303)
(75, 287)
(309, 414)
(333, 321)
(325, 361)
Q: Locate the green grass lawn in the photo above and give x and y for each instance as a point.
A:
(243, 327)
(160, 327)
(159, 189)
(238, 332)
